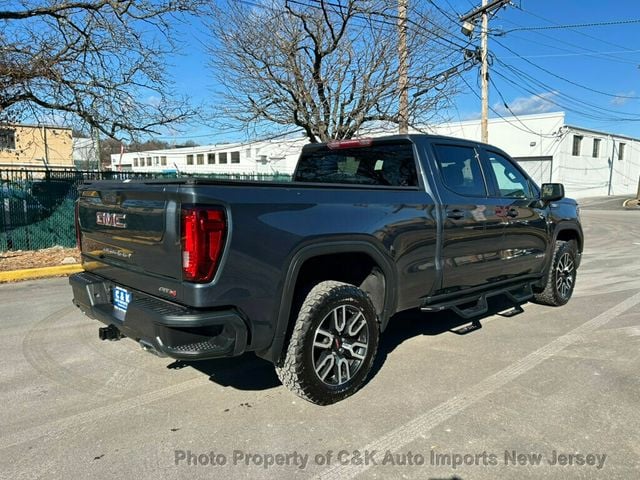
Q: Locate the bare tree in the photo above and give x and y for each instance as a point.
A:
(95, 63)
(329, 67)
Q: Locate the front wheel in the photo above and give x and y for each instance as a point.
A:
(333, 344)
(561, 279)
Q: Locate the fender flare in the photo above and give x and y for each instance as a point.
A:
(562, 226)
(274, 352)
(569, 225)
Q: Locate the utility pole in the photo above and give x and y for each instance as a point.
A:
(484, 73)
(46, 146)
(403, 69)
(468, 22)
(95, 133)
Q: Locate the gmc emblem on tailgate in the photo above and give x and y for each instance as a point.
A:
(111, 219)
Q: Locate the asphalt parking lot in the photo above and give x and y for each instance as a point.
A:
(545, 392)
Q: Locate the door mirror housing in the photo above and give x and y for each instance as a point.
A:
(552, 192)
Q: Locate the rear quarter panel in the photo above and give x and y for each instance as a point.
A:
(270, 225)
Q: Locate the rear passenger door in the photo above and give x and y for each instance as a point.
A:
(523, 245)
(472, 229)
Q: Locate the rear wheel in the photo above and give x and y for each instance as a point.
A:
(333, 344)
(561, 279)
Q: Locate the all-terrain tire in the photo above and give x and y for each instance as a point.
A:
(308, 348)
(561, 278)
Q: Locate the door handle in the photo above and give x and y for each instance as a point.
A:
(512, 212)
(455, 214)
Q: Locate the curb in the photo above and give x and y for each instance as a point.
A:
(33, 273)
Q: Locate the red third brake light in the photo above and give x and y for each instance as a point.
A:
(353, 143)
(203, 235)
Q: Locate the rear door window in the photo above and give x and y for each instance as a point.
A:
(460, 170)
(388, 164)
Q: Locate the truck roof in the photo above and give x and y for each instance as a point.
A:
(412, 137)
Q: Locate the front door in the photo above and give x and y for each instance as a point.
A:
(524, 244)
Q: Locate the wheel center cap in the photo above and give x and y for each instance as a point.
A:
(338, 343)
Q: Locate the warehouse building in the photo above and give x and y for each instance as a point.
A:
(588, 162)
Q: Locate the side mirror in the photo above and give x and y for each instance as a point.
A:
(552, 192)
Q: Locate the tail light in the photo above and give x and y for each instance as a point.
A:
(77, 223)
(203, 235)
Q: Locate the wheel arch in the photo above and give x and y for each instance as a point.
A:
(567, 231)
(379, 282)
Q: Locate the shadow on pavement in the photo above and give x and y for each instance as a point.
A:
(249, 372)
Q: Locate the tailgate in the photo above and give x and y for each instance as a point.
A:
(131, 226)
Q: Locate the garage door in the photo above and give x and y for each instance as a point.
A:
(538, 168)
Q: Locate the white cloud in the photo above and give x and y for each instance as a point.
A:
(540, 103)
(153, 100)
(622, 98)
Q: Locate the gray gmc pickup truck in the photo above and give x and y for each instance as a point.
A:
(307, 274)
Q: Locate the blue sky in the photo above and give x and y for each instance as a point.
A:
(591, 73)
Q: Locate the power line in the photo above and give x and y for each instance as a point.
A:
(575, 25)
(454, 19)
(525, 78)
(504, 102)
(561, 44)
(527, 130)
(549, 72)
(632, 115)
(387, 16)
(575, 54)
(579, 32)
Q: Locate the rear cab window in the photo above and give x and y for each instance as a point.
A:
(389, 164)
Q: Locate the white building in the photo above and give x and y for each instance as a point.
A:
(552, 151)
(544, 145)
(85, 153)
(266, 157)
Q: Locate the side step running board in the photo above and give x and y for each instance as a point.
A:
(476, 305)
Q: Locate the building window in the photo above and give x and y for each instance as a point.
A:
(596, 147)
(7, 139)
(211, 158)
(156, 161)
(135, 162)
(248, 154)
(577, 141)
(148, 161)
(621, 151)
(222, 157)
(200, 158)
(189, 159)
(235, 157)
(163, 161)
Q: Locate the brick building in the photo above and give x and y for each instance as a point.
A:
(35, 146)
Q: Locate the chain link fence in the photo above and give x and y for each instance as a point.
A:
(37, 205)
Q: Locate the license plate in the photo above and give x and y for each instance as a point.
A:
(121, 298)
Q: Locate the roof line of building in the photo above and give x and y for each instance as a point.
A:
(604, 134)
(31, 125)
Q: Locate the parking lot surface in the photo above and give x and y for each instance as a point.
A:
(538, 393)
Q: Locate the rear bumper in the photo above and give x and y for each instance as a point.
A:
(165, 328)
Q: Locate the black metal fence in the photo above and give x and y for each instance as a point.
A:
(37, 205)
